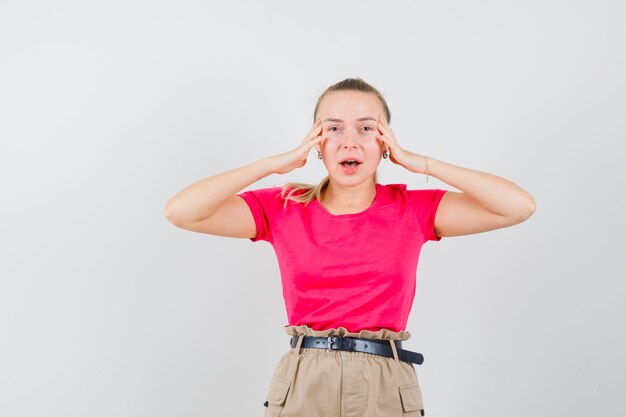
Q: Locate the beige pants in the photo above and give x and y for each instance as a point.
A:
(310, 382)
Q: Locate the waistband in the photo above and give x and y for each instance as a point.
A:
(383, 334)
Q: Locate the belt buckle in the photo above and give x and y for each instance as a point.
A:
(330, 342)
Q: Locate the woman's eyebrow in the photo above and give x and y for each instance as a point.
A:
(360, 119)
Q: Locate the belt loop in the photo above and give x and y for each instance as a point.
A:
(299, 343)
(393, 348)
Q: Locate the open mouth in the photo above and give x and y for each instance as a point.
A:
(350, 166)
(350, 163)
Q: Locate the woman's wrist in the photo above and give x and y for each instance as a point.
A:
(426, 166)
(267, 165)
(420, 164)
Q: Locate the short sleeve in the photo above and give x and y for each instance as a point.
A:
(427, 201)
(263, 204)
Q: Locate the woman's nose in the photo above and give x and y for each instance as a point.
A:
(350, 140)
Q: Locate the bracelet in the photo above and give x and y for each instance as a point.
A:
(426, 171)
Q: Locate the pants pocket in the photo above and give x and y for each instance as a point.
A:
(276, 396)
(412, 403)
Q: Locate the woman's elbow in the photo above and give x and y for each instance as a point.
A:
(169, 211)
(526, 209)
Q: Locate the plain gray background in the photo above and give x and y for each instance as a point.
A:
(107, 109)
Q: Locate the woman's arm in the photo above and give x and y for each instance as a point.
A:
(211, 205)
(202, 198)
(486, 202)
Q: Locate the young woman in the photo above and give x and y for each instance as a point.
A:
(348, 250)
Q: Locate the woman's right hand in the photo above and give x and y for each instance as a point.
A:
(297, 157)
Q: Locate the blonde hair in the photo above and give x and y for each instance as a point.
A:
(305, 193)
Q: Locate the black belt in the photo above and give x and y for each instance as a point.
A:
(353, 344)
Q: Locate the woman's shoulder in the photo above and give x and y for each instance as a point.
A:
(263, 191)
(403, 192)
(276, 194)
(391, 191)
(403, 188)
(392, 187)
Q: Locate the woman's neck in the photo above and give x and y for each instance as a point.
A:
(339, 199)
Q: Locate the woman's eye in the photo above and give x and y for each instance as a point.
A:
(367, 127)
(331, 128)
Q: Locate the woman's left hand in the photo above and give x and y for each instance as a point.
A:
(409, 160)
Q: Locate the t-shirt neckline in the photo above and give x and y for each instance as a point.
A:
(327, 213)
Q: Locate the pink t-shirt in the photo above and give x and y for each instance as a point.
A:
(356, 271)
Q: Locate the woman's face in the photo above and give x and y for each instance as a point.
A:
(350, 149)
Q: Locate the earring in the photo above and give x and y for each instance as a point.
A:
(319, 155)
(385, 155)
